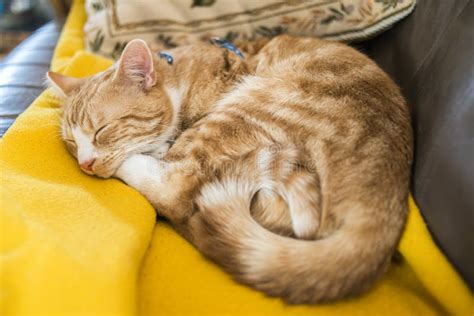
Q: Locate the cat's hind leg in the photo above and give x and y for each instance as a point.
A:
(271, 211)
(293, 209)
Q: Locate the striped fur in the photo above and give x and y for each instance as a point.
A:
(290, 169)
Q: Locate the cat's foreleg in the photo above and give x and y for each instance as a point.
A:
(167, 186)
(138, 170)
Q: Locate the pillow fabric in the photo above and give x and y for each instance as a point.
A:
(167, 23)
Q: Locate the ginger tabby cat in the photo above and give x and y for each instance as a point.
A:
(290, 168)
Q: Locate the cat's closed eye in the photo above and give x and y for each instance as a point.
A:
(99, 132)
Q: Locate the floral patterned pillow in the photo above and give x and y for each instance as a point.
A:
(169, 23)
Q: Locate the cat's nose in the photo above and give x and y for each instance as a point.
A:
(87, 165)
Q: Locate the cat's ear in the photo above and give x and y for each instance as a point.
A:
(136, 64)
(63, 85)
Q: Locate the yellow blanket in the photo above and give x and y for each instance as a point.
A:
(71, 244)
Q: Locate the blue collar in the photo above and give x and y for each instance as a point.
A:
(167, 56)
(227, 45)
(216, 41)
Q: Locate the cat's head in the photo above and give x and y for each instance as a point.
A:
(121, 111)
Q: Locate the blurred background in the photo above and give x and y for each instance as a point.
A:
(19, 18)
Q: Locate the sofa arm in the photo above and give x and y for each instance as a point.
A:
(430, 56)
(23, 71)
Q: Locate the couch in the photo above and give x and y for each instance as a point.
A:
(432, 64)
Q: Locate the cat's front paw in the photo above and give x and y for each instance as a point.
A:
(135, 169)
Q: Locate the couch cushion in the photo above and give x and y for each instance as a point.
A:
(432, 62)
(165, 24)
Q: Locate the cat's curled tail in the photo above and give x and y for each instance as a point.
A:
(343, 263)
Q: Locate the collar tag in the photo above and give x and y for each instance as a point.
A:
(227, 45)
(167, 56)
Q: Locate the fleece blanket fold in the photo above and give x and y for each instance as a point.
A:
(71, 244)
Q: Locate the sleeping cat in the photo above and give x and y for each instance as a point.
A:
(289, 168)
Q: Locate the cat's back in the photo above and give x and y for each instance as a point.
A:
(307, 91)
(303, 79)
(323, 67)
